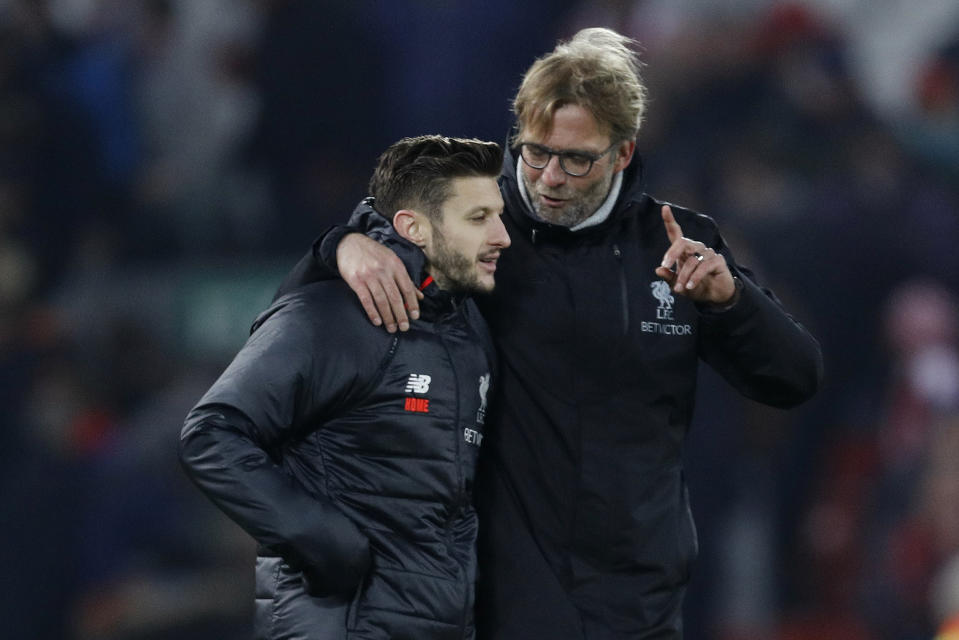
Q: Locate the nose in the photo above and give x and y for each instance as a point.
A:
(553, 174)
(499, 237)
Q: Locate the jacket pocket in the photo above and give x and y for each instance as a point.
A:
(297, 614)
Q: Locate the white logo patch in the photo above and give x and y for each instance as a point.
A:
(483, 389)
(473, 437)
(418, 383)
(660, 290)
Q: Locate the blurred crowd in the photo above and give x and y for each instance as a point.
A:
(163, 163)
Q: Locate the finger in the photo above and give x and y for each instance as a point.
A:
(712, 281)
(357, 258)
(703, 268)
(667, 275)
(411, 297)
(673, 231)
(679, 252)
(674, 255)
(688, 266)
(397, 306)
(674, 234)
(382, 303)
(366, 299)
(401, 296)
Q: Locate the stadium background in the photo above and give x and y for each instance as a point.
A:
(164, 162)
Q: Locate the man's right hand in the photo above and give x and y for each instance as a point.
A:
(380, 281)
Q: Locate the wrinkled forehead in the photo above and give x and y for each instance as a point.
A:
(564, 125)
(538, 123)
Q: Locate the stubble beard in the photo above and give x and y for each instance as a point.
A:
(580, 206)
(452, 270)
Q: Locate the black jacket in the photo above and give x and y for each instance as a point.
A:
(586, 526)
(349, 454)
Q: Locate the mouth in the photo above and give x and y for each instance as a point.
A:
(488, 263)
(552, 202)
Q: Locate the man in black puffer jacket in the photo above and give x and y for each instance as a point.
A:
(349, 453)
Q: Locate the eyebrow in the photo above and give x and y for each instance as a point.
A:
(579, 151)
(470, 212)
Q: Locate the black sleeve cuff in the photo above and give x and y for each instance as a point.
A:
(325, 247)
(715, 309)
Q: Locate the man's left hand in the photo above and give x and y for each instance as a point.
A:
(700, 274)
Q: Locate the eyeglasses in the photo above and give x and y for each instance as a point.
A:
(574, 163)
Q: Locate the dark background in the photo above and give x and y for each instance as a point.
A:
(164, 162)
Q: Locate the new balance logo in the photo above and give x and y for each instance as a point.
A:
(418, 383)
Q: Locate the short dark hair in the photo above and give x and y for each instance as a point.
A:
(415, 173)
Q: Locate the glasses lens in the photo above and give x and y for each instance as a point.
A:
(535, 155)
(576, 164)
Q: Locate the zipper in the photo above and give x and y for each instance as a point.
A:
(466, 584)
(460, 500)
(457, 509)
(458, 449)
(623, 289)
(448, 531)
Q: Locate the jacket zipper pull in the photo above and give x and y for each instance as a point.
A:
(533, 235)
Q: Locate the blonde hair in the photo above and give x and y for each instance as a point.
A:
(598, 70)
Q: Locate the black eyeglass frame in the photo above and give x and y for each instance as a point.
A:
(563, 155)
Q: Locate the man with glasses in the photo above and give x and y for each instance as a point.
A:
(606, 303)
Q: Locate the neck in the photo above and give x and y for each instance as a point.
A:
(599, 216)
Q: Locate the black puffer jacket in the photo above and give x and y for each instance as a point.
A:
(583, 502)
(349, 454)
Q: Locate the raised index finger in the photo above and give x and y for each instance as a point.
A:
(673, 231)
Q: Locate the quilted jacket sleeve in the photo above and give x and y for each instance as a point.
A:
(288, 375)
(762, 351)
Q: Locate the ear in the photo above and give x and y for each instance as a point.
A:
(624, 154)
(413, 226)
